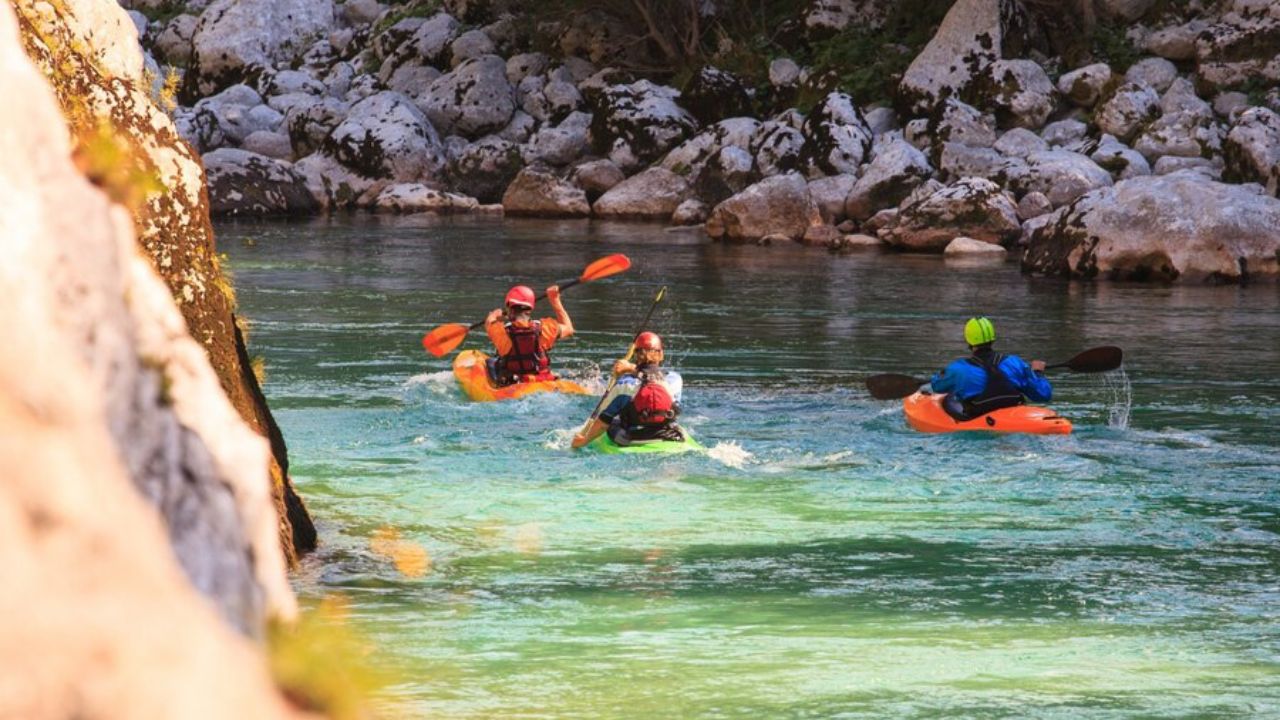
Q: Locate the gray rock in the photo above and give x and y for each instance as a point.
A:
(470, 44)
(337, 82)
(200, 129)
(309, 124)
(1128, 110)
(245, 183)
(419, 198)
(838, 136)
(596, 177)
(1019, 92)
(1064, 132)
(689, 157)
(1020, 142)
(237, 39)
(1156, 73)
(968, 41)
(690, 212)
(1085, 85)
(897, 169)
(916, 132)
(829, 195)
(1252, 149)
(386, 136)
(638, 123)
(412, 80)
(173, 43)
(973, 207)
(1162, 229)
(957, 161)
(428, 44)
(961, 123)
(285, 82)
(778, 205)
(361, 12)
(1206, 168)
(520, 129)
(784, 73)
(652, 194)
(562, 144)
(331, 184)
(364, 86)
(1227, 104)
(526, 65)
(269, 143)
(1183, 134)
(484, 169)
(539, 192)
(1062, 176)
(881, 120)
(1175, 43)
(714, 94)
(237, 112)
(1181, 97)
(726, 173)
(1033, 205)
(1242, 47)
(777, 148)
(1122, 161)
(474, 99)
(963, 246)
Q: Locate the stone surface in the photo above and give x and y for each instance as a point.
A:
(386, 136)
(173, 43)
(247, 184)
(237, 40)
(539, 192)
(955, 121)
(968, 41)
(309, 124)
(777, 205)
(1252, 149)
(418, 198)
(1033, 205)
(1128, 110)
(713, 95)
(1122, 161)
(1062, 176)
(784, 72)
(777, 148)
(1182, 134)
(1018, 92)
(1242, 47)
(272, 144)
(837, 135)
(636, 124)
(689, 157)
(1020, 142)
(829, 195)
(895, 171)
(596, 177)
(419, 41)
(473, 100)
(652, 194)
(1064, 133)
(690, 212)
(1176, 42)
(485, 168)
(1178, 227)
(1085, 85)
(963, 246)
(562, 144)
(972, 207)
(1156, 73)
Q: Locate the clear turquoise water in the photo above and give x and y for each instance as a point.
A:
(824, 561)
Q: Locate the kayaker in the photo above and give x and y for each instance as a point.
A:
(645, 401)
(523, 344)
(988, 380)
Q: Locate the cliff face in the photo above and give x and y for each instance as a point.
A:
(103, 394)
(88, 51)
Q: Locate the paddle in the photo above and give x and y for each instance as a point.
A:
(444, 339)
(630, 352)
(1100, 359)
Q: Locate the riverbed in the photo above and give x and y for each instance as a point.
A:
(822, 560)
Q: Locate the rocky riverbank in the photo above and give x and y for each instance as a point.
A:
(1012, 123)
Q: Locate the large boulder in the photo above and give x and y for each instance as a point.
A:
(777, 148)
(418, 198)
(1128, 110)
(247, 184)
(415, 41)
(485, 168)
(838, 136)
(308, 124)
(1061, 175)
(562, 144)
(636, 124)
(713, 95)
(970, 38)
(895, 171)
(653, 194)
(540, 192)
(473, 100)
(1182, 134)
(725, 174)
(1019, 92)
(1178, 227)
(1085, 85)
(237, 40)
(973, 207)
(1243, 47)
(829, 195)
(778, 205)
(386, 136)
(689, 157)
(1252, 149)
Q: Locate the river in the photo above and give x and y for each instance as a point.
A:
(823, 560)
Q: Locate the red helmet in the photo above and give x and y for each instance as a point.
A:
(521, 295)
(648, 341)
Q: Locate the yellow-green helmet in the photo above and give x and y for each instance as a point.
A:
(979, 331)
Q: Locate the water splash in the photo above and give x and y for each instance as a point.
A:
(442, 377)
(559, 438)
(1121, 398)
(730, 454)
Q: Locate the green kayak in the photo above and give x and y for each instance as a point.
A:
(605, 445)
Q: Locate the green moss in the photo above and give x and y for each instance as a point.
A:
(417, 8)
(1112, 46)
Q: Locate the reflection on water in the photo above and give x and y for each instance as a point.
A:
(823, 560)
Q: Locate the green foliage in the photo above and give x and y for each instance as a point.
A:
(1256, 88)
(1112, 46)
(416, 8)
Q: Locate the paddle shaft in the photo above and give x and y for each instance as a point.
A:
(563, 286)
(631, 351)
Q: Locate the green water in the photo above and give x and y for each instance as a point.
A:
(824, 561)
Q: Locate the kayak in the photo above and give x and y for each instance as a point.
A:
(925, 414)
(606, 445)
(469, 369)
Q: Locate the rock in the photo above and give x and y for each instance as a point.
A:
(652, 194)
(469, 45)
(596, 177)
(1119, 159)
(881, 120)
(638, 123)
(237, 40)
(536, 191)
(338, 81)
(1162, 229)
(200, 130)
(332, 184)
(897, 169)
(1084, 86)
(1064, 133)
(418, 198)
(284, 82)
(1227, 104)
(173, 44)
(777, 148)
(1175, 43)
(245, 183)
(1127, 10)
(1033, 205)
(713, 95)
(858, 242)
(361, 12)
(969, 246)
(690, 156)
(560, 145)
(776, 205)
(1183, 134)
(957, 122)
(473, 100)
(725, 174)
(784, 73)
(885, 218)
(1181, 97)
(829, 194)
(824, 16)
(1062, 176)
(1020, 142)
(690, 212)
(526, 65)
(423, 43)
(823, 235)
(838, 136)
(238, 112)
(272, 144)
(485, 168)
(1156, 73)
(972, 207)
(1128, 110)
(309, 125)
(1252, 149)
(1240, 48)
(386, 136)
(1018, 92)
(413, 80)
(520, 129)
(960, 161)
(1210, 169)
(970, 38)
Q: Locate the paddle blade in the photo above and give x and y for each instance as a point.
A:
(892, 387)
(444, 339)
(1099, 359)
(604, 267)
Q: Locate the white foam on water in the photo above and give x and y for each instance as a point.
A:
(730, 454)
(560, 439)
(443, 377)
(1121, 390)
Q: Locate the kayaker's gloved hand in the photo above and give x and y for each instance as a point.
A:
(1037, 366)
(494, 316)
(622, 367)
(553, 294)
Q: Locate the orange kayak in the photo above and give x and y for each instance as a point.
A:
(469, 369)
(925, 413)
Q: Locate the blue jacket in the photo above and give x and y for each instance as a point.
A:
(967, 380)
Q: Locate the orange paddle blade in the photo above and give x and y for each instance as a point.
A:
(444, 339)
(605, 266)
